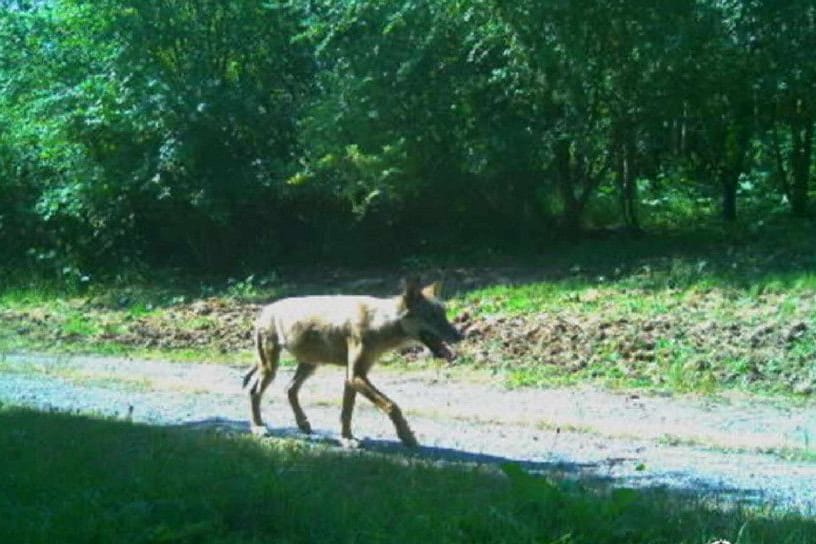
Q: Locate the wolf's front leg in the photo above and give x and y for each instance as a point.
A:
(357, 381)
(362, 385)
(346, 437)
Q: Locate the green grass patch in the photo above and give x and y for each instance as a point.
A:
(112, 481)
(80, 325)
(678, 314)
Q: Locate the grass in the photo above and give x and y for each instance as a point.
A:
(112, 321)
(687, 316)
(70, 479)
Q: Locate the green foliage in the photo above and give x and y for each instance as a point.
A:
(233, 135)
(149, 131)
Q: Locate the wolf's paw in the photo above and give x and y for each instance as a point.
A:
(304, 426)
(259, 430)
(350, 443)
(408, 439)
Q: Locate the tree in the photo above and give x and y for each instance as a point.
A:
(161, 127)
(783, 37)
(727, 102)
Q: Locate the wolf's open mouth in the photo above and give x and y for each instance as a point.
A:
(437, 346)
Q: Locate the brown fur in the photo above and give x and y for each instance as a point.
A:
(352, 331)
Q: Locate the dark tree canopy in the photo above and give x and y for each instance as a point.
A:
(211, 134)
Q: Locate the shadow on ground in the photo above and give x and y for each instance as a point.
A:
(595, 474)
(68, 478)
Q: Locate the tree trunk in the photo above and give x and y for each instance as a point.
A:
(781, 170)
(627, 186)
(802, 139)
(735, 149)
(728, 181)
(573, 209)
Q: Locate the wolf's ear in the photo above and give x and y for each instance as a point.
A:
(433, 290)
(411, 292)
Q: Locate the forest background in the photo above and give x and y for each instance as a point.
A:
(223, 136)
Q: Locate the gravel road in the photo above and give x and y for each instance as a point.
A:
(730, 448)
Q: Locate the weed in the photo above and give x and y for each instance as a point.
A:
(80, 325)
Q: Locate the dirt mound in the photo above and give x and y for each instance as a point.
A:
(676, 345)
(220, 324)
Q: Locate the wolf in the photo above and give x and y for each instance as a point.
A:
(351, 331)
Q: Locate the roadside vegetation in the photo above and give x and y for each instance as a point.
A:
(111, 480)
(698, 313)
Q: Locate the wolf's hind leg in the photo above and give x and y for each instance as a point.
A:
(303, 371)
(268, 357)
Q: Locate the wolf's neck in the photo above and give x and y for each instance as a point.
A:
(384, 322)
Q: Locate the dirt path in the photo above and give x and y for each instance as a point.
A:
(731, 447)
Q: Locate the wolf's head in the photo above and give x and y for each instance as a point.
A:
(425, 320)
